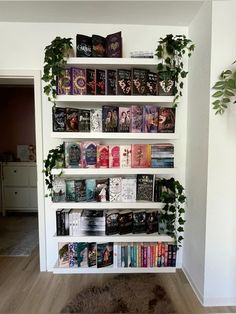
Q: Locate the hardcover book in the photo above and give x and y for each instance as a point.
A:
(72, 120)
(166, 123)
(152, 84)
(125, 221)
(158, 188)
(82, 254)
(70, 190)
(114, 45)
(90, 82)
(80, 190)
(98, 46)
(92, 254)
(58, 190)
(139, 221)
(83, 46)
(139, 81)
(104, 254)
(59, 225)
(72, 246)
(64, 83)
(129, 189)
(59, 119)
(165, 87)
(96, 120)
(73, 155)
(151, 221)
(124, 119)
(141, 155)
(100, 82)
(65, 221)
(102, 156)
(90, 190)
(102, 190)
(145, 184)
(109, 119)
(124, 82)
(84, 120)
(137, 119)
(114, 156)
(110, 82)
(90, 155)
(125, 156)
(115, 189)
(112, 224)
(63, 253)
(78, 81)
(150, 119)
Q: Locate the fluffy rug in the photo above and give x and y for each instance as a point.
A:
(132, 293)
(18, 234)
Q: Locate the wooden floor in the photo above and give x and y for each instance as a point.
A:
(23, 289)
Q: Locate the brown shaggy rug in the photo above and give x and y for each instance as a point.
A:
(132, 293)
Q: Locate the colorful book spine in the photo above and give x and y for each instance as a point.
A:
(102, 156)
(78, 78)
(114, 156)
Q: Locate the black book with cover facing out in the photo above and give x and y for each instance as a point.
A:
(139, 221)
(98, 46)
(152, 84)
(100, 82)
(145, 187)
(80, 190)
(111, 82)
(84, 120)
(140, 81)
(152, 218)
(59, 119)
(124, 82)
(83, 46)
(114, 45)
(110, 119)
(90, 81)
(71, 120)
(112, 224)
(125, 221)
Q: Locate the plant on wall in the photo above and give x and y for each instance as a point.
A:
(171, 51)
(55, 159)
(172, 194)
(225, 91)
(54, 64)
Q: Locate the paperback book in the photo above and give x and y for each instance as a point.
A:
(96, 120)
(150, 119)
(112, 224)
(80, 190)
(141, 155)
(139, 221)
(72, 120)
(110, 82)
(84, 120)
(102, 156)
(64, 83)
(58, 190)
(100, 82)
(145, 184)
(90, 190)
(104, 254)
(102, 190)
(78, 81)
(152, 221)
(114, 156)
(166, 123)
(73, 155)
(98, 46)
(59, 119)
(137, 119)
(129, 188)
(92, 254)
(82, 254)
(124, 82)
(124, 119)
(70, 190)
(115, 189)
(114, 45)
(90, 155)
(152, 84)
(125, 221)
(90, 82)
(139, 81)
(125, 156)
(110, 119)
(83, 46)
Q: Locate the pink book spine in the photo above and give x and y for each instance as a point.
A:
(102, 156)
(114, 156)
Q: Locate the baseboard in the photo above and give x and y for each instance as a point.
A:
(220, 301)
(195, 289)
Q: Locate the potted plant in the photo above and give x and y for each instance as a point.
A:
(55, 58)
(171, 218)
(55, 159)
(171, 51)
(225, 91)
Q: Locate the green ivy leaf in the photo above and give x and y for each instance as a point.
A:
(217, 94)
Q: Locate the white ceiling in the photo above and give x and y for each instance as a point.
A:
(179, 13)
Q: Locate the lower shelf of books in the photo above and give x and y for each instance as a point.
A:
(112, 270)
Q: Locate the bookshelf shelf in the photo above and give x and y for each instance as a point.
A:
(111, 171)
(115, 135)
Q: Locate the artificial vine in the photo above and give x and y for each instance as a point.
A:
(55, 159)
(225, 90)
(172, 194)
(171, 51)
(54, 64)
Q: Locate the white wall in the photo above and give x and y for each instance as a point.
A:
(197, 149)
(220, 261)
(23, 48)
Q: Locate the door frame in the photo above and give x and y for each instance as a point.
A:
(36, 76)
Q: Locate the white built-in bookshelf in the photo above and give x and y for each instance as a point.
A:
(88, 101)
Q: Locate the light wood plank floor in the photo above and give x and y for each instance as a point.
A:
(23, 289)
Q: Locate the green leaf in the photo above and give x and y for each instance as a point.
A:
(217, 94)
(229, 93)
(225, 100)
(216, 102)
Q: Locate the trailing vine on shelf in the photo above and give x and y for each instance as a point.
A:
(55, 58)
(171, 51)
(225, 91)
(55, 159)
(172, 194)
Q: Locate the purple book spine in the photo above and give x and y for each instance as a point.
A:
(78, 81)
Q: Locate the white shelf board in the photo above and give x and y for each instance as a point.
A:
(109, 205)
(115, 62)
(114, 99)
(111, 171)
(130, 237)
(115, 135)
(112, 270)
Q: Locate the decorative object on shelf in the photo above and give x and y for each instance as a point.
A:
(171, 193)
(225, 90)
(171, 51)
(55, 58)
(55, 159)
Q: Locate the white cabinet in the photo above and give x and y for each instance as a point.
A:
(19, 186)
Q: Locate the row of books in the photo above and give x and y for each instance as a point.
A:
(140, 82)
(99, 46)
(134, 119)
(94, 155)
(76, 222)
(118, 255)
(142, 187)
